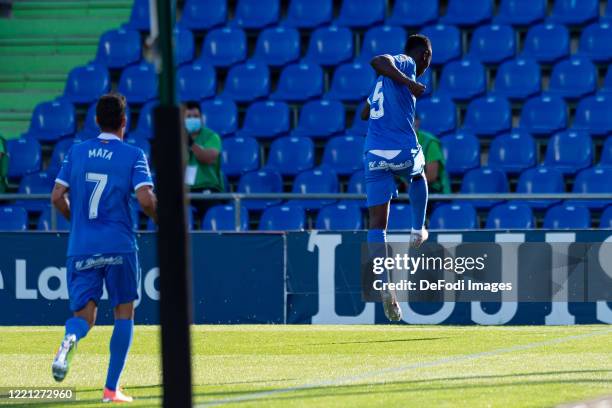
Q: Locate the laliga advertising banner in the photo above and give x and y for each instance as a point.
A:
(317, 277)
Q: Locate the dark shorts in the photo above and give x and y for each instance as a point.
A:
(87, 275)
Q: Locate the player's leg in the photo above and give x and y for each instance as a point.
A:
(122, 282)
(84, 291)
(418, 200)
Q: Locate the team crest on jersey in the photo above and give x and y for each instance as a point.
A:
(100, 153)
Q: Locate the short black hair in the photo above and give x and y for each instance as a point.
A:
(110, 110)
(416, 41)
(192, 105)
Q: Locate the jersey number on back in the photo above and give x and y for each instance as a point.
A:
(96, 194)
(377, 110)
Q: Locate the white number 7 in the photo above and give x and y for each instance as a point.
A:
(377, 102)
(96, 194)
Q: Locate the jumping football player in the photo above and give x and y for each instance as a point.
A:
(391, 146)
(100, 175)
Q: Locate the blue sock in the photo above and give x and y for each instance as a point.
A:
(378, 238)
(119, 346)
(418, 201)
(77, 326)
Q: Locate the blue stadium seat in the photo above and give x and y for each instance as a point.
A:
(492, 44)
(139, 16)
(489, 115)
(361, 13)
(460, 215)
(544, 114)
(45, 223)
(382, 40)
(446, 40)
(339, 216)
(468, 13)
(291, 155)
(141, 142)
(36, 183)
(299, 82)
(203, 14)
(606, 218)
(572, 12)
(260, 181)
(518, 79)
(344, 154)
(543, 180)
(358, 127)
(85, 84)
(607, 84)
(278, 46)
(151, 226)
(138, 83)
(595, 42)
(220, 115)
(24, 156)
(282, 218)
(256, 14)
(484, 180)
(352, 82)
(266, 119)
(567, 216)
(319, 180)
(606, 153)
(438, 114)
(239, 155)
(400, 217)
(309, 13)
(521, 12)
(330, 45)
(512, 152)
(60, 150)
(510, 216)
(85, 134)
(413, 13)
(463, 80)
(461, 151)
(13, 218)
(224, 47)
(247, 82)
(119, 48)
(547, 43)
(144, 125)
(569, 151)
(320, 119)
(573, 78)
(223, 218)
(184, 48)
(52, 120)
(593, 180)
(356, 185)
(196, 81)
(594, 113)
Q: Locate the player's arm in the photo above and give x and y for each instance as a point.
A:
(365, 112)
(148, 201)
(385, 66)
(59, 199)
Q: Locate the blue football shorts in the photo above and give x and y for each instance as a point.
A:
(381, 168)
(87, 274)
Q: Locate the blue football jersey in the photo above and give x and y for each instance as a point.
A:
(392, 109)
(101, 175)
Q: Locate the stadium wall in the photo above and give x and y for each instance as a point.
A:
(297, 277)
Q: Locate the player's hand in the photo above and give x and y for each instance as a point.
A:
(416, 88)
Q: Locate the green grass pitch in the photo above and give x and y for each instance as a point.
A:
(337, 366)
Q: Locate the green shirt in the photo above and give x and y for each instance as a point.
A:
(432, 150)
(3, 165)
(207, 176)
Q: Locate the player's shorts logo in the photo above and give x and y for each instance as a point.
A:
(386, 165)
(98, 262)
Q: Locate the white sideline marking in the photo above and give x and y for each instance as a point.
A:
(399, 369)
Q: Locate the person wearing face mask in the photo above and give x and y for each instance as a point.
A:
(203, 173)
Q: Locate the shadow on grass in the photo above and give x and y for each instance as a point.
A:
(374, 341)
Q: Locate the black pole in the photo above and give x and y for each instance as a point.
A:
(172, 239)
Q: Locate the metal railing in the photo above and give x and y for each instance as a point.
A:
(238, 198)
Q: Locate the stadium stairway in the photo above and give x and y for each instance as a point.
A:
(40, 42)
